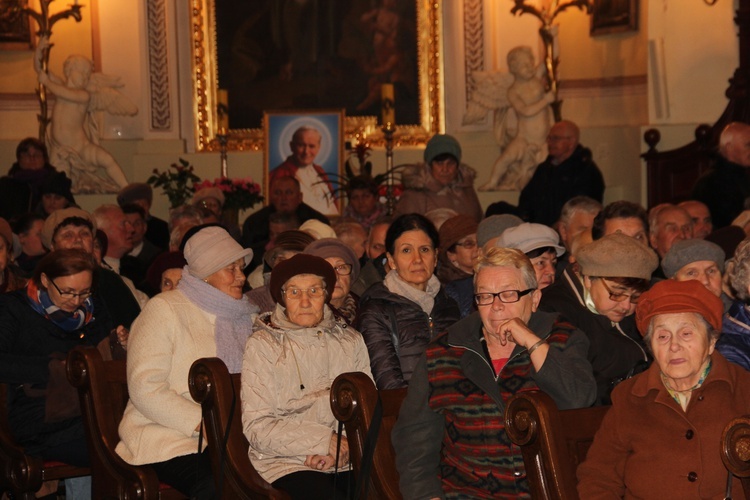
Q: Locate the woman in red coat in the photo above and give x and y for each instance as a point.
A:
(662, 437)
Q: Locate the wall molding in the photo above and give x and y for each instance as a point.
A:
(158, 66)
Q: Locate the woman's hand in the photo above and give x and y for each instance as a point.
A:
(319, 462)
(343, 452)
(122, 336)
(514, 330)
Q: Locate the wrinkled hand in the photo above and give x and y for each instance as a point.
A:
(122, 336)
(319, 462)
(514, 330)
(343, 452)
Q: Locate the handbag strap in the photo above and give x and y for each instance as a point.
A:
(368, 452)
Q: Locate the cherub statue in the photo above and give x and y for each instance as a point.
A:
(73, 139)
(522, 118)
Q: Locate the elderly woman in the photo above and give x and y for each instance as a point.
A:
(458, 249)
(165, 272)
(734, 343)
(290, 362)
(540, 243)
(442, 182)
(600, 299)
(399, 316)
(28, 227)
(39, 324)
(206, 316)
(344, 304)
(450, 435)
(662, 437)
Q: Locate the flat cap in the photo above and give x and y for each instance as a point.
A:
(617, 256)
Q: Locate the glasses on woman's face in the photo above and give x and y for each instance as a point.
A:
(343, 269)
(468, 244)
(619, 296)
(297, 293)
(506, 296)
(71, 295)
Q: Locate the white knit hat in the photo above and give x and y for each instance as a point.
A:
(213, 248)
(317, 229)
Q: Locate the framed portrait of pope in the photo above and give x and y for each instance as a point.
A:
(307, 146)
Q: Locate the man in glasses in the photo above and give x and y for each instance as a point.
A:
(450, 430)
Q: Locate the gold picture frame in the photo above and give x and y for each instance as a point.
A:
(205, 86)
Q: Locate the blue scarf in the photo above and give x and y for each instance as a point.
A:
(234, 317)
(40, 301)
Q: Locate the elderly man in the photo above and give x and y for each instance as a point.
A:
(623, 217)
(285, 197)
(376, 268)
(140, 193)
(577, 216)
(300, 165)
(136, 262)
(567, 172)
(450, 433)
(700, 260)
(726, 186)
(698, 211)
(119, 230)
(669, 224)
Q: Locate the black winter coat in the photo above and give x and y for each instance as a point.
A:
(392, 367)
(28, 342)
(614, 348)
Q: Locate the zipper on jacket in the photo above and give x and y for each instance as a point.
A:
(617, 327)
(481, 356)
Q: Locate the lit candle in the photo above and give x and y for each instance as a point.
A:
(387, 103)
(222, 110)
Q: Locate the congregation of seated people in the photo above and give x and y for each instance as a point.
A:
(593, 303)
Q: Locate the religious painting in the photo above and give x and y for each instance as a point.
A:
(322, 54)
(15, 30)
(307, 145)
(614, 16)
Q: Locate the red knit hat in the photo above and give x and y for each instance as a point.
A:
(670, 296)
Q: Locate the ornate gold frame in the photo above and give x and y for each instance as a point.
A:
(430, 62)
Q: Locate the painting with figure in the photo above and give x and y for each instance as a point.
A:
(292, 54)
(308, 146)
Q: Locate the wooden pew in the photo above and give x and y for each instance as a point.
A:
(22, 475)
(103, 393)
(735, 450)
(353, 400)
(553, 442)
(218, 393)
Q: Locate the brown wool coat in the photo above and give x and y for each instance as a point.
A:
(647, 447)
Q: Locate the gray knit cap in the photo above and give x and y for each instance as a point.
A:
(685, 252)
(617, 256)
(494, 225)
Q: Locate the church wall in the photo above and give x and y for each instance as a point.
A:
(609, 85)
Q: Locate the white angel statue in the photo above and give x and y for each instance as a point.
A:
(73, 140)
(522, 118)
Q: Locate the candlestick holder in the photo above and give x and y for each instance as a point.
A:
(223, 139)
(45, 23)
(388, 130)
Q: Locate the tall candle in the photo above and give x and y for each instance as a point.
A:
(387, 103)
(222, 109)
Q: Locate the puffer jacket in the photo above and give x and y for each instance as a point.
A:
(423, 193)
(287, 374)
(734, 342)
(391, 366)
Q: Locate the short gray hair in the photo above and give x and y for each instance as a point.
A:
(579, 204)
(507, 257)
(738, 271)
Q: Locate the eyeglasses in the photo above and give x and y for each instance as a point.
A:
(620, 297)
(343, 269)
(468, 244)
(71, 295)
(506, 296)
(296, 293)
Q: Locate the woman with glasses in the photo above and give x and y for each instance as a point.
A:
(205, 316)
(400, 316)
(290, 362)
(344, 303)
(450, 431)
(39, 324)
(600, 299)
(458, 249)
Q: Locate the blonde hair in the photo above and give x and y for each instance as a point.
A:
(507, 257)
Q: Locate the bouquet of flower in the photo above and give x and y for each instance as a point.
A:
(238, 193)
(176, 183)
